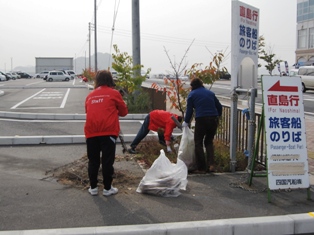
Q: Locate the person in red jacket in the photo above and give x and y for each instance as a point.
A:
(103, 106)
(154, 121)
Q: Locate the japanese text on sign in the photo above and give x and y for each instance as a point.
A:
(247, 30)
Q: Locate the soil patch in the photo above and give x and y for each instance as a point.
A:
(127, 177)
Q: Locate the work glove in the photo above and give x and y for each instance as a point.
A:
(184, 124)
(169, 149)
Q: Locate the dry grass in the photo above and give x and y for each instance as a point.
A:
(149, 151)
(75, 173)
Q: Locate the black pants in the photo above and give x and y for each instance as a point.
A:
(205, 130)
(142, 133)
(107, 146)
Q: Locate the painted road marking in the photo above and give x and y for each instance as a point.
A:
(65, 99)
(46, 95)
(23, 101)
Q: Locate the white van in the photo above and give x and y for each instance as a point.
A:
(307, 75)
(293, 72)
(71, 73)
(57, 76)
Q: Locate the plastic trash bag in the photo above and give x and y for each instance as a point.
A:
(186, 150)
(164, 178)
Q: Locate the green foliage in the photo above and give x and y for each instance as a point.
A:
(127, 78)
(261, 47)
(222, 158)
(130, 81)
(211, 72)
(139, 102)
(175, 90)
(267, 56)
(270, 60)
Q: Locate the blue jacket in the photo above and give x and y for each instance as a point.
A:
(204, 102)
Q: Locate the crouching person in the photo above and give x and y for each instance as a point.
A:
(160, 121)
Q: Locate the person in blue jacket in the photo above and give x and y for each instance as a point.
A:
(207, 109)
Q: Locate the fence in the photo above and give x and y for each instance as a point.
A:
(224, 132)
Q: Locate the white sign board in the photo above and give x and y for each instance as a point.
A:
(245, 33)
(287, 161)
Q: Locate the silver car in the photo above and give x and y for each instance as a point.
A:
(41, 74)
(57, 76)
(307, 76)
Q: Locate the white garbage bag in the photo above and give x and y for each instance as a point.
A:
(164, 178)
(186, 150)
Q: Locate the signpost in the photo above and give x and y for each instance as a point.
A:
(244, 64)
(284, 122)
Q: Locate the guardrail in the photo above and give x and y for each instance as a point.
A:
(224, 131)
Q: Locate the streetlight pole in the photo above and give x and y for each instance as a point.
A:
(89, 46)
(95, 25)
(136, 39)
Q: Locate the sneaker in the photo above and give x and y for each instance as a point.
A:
(109, 192)
(93, 191)
(132, 151)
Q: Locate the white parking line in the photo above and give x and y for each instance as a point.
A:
(23, 101)
(33, 83)
(65, 99)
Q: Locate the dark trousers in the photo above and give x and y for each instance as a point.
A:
(142, 133)
(106, 145)
(204, 133)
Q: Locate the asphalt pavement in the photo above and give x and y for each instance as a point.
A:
(31, 199)
(33, 202)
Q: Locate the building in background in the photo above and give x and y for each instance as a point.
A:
(305, 33)
(53, 63)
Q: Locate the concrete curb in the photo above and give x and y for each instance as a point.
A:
(58, 116)
(59, 139)
(285, 224)
(55, 139)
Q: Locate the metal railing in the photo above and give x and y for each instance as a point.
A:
(224, 132)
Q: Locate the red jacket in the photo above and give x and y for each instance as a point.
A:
(103, 106)
(162, 119)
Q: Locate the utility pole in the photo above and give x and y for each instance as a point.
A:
(89, 51)
(95, 25)
(136, 40)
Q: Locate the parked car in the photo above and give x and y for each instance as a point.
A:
(224, 75)
(57, 76)
(24, 75)
(2, 77)
(7, 77)
(41, 74)
(12, 75)
(307, 76)
(70, 72)
(184, 78)
(293, 72)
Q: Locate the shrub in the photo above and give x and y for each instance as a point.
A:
(150, 150)
(222, 158)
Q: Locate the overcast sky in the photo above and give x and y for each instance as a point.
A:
(59, 28)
